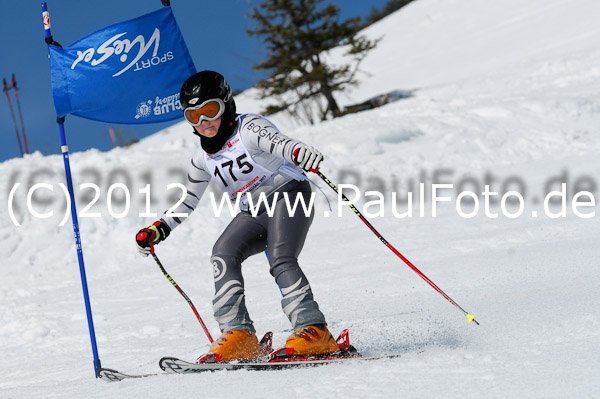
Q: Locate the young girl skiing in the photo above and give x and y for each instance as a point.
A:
(247, 156)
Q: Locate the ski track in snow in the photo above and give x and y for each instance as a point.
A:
(504, 88)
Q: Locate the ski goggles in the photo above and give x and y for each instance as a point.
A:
(209, 110)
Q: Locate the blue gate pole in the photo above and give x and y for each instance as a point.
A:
(65, 153)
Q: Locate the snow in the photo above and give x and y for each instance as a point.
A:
(506, 95)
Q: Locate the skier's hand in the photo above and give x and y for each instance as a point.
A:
(308, 158)
(148, 236)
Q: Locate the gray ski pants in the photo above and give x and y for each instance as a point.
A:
(283, 237)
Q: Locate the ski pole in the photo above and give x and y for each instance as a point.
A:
(470, 317)
(162, 269)
(14, 83)
(12, 113)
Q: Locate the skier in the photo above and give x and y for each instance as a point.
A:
(247, 156)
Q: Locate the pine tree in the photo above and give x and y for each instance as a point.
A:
(297, 35)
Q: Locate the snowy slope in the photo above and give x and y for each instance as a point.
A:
(507, 96)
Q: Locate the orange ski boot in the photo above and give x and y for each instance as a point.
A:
(233, 345)
(311, 341)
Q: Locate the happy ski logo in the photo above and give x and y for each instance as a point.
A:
(117, 46)
(143, 109)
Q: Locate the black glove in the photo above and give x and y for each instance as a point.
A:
(148, 236)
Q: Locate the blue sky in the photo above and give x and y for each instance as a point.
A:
(228, 50)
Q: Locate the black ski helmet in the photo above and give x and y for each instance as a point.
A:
(203, 86)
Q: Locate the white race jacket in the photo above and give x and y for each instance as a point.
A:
(256, 159)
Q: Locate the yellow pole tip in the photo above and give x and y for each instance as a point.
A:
(470, 317)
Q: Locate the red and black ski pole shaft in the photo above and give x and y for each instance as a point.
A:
(14, 84)
(470, 317)
(12, 113)
(162, 269)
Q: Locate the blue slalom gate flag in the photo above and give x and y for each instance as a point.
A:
(126, 73)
